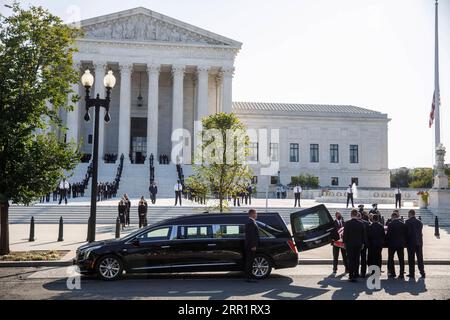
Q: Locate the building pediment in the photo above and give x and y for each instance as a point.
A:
(143, 25)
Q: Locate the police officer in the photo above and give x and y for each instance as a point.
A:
(350, 195)
(398, 198)
(63, 188)
(297, 195)
(178, 188)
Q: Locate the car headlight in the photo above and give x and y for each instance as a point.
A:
(88, 251)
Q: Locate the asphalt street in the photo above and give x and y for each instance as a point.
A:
(303, 282)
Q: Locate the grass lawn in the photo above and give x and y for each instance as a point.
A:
(38, 255)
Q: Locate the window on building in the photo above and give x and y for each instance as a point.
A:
(274, 152)
(335, 181)
(294, 152)
(354, 156)
(253, 151)
(355, 181)
(273, 179)
(314, 153)
(90, 139)
(334, 153)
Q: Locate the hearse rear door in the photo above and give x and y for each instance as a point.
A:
(312, 228)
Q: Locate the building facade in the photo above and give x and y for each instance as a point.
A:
(171, 74)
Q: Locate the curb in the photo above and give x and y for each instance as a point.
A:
(21, 264)
(307, 262)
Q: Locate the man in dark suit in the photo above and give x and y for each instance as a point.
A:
(354, 239)
(396, 241)
(376, 237)
(414, 242)
(363, 218)
(251, 243)
(153, 189)
(338, 224)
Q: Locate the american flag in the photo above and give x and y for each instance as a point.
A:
(433, 107)
(340, 243)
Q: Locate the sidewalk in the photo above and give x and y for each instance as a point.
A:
(75, 236)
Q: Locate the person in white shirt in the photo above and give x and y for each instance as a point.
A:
(178, 188)
(350, 196)
(63, 188)
(398, 198)
(297, 194)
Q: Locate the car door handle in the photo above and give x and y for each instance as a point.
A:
(212, 244)
(165, 247)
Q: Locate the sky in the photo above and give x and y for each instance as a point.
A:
(377, 54)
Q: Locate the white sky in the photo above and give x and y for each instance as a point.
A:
(377, 54)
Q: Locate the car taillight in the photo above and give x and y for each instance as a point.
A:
(292, 246)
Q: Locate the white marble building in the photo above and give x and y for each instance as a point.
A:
(183, 73)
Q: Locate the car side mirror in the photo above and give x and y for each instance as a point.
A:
(136, 242)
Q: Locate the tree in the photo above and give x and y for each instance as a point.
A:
(305, 180)
(421, 178)
(400, 177)
(36, 51)
(221, 158)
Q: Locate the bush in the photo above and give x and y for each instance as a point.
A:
(305, 180)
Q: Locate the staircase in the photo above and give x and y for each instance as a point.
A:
(49, 214)
(166, 176)
(135, 180)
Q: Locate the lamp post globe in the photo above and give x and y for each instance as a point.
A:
(87, 79)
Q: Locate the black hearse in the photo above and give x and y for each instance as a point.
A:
(207, 242)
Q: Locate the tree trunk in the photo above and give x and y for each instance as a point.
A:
(4, 228)
(221, 203)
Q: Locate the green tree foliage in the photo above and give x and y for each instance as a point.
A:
(198, 187)
(421, 178)
(36, 71)
(400, 177)
(220, 158)
(305, 180)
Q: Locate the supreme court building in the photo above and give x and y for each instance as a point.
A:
(171, 74)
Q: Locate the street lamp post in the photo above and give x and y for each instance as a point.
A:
(88, 80)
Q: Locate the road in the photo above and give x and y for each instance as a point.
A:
(303, 282)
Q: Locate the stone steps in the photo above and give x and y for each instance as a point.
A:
(49, 214)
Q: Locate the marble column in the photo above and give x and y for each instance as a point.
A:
(177, 100)
(202, 92)
(72, 116)
(227, 89)
(124, 111)
(100, 70)
(152, 113)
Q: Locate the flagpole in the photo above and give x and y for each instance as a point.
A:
(437, 116)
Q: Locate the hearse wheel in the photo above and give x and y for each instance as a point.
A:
(109, 268)
(262, 267)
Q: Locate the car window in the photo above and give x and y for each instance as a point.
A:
(194, 232)
(311, 220)
(156, 234)
(237, 231)
(230, 231)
